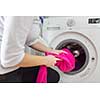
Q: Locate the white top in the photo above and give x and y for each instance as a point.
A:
(17, 32)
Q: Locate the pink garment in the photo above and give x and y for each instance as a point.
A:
(66, 64)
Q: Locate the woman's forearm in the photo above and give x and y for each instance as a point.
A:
(41, 47)
(30, 61)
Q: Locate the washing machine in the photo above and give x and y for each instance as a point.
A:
(81, 35)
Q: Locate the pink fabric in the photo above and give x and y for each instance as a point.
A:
(66, 64)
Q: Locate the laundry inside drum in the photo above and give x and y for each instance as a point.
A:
(80, 53)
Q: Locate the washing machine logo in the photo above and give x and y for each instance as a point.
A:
(70, 22)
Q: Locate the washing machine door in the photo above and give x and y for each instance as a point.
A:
(84, 51)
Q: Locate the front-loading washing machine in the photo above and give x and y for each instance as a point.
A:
(81, 35)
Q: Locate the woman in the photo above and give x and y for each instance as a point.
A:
(16, 64)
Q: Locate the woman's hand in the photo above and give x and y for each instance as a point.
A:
(57, 51)
(50, 61)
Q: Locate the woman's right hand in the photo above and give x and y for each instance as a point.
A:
(50, 60)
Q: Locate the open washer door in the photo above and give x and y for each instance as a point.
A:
(84, 51)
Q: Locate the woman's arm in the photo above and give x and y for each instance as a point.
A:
(30, 61)
(43, 48)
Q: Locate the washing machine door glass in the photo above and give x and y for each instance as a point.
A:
(80, 53)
